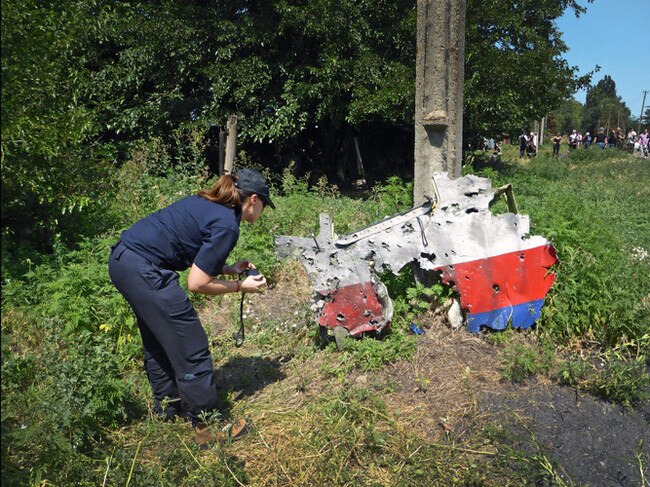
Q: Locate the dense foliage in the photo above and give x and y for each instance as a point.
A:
(86, 83)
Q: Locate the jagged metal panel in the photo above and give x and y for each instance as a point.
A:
(327, 266)
(500, 272)
(357, 307)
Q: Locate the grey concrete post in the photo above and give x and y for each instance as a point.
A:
(438, 92)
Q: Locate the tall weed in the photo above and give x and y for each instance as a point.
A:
(618, 374)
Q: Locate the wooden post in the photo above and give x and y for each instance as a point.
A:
(360, 170)
(222, 150)
(231, 144)
(638, 130)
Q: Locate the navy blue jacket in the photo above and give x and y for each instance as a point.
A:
(192, 230)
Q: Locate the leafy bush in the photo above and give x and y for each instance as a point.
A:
(76, 291)
(613, 375)
(392, 196)
(523, 362)
(58, 400)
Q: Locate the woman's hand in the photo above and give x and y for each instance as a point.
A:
(200, 282)
(253, 284)
(237, 268)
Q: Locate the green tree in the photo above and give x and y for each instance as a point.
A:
(48, 158)
(605, 88)
(604, 108)
(514, 72)
(568, 116)
(83, 82)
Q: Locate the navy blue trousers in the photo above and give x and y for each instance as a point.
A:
(176, 351)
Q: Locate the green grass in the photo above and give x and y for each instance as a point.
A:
(75, 400)
(593, 207)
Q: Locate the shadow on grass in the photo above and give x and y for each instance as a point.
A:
(245, 376)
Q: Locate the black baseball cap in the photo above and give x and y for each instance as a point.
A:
(252, 181)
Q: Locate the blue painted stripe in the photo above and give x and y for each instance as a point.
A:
(523, 316)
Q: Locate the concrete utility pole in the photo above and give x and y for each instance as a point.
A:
(438, 92)
(645, 92)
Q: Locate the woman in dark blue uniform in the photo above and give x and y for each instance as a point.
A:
(196, 232)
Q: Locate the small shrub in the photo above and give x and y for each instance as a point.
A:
(369, 354)
(77, 291)
(412, 299)
(612, 375)
(58, 402)
(392, 196)
(523, 362)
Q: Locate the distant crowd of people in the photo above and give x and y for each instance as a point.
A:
(632, 142)
(494, 147)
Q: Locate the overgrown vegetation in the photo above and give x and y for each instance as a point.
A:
(86, 84)
(75, 401)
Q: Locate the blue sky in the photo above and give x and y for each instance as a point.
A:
(614, 34)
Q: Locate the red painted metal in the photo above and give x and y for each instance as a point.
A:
(355, 307)
(503, 280)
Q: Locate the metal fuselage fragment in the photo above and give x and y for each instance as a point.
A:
(500, 272)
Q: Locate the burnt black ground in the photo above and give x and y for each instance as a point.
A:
(589, 441)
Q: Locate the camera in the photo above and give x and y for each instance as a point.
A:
(251, 272)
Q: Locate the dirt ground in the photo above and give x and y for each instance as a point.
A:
(594, 442)
(454, 384)
(589, 441)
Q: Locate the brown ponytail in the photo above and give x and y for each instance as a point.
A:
(224, 192)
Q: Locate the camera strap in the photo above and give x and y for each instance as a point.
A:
(240, 336)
